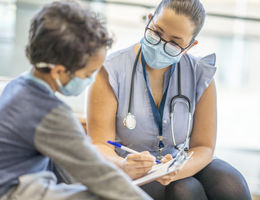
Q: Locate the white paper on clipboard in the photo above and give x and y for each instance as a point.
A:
(163, 169)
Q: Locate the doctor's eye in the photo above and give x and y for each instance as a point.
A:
(152, 37)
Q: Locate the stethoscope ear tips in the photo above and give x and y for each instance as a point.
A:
(129, 121)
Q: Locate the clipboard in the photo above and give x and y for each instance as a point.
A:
(163, 169)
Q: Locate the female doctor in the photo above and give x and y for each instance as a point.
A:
(137, 91)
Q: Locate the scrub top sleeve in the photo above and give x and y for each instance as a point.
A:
(109, 66)
(205, 72)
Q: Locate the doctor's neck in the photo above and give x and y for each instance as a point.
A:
(157, 71)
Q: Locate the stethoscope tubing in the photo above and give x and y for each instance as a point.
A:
(172, 105)
(132, 80)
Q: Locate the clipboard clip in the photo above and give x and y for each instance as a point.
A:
(180, 159)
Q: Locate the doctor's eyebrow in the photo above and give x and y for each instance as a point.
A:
(161, 30)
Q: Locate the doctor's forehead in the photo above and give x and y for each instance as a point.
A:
(174, 25)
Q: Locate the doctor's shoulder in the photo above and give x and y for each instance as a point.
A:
(196, 62)
(118, 61)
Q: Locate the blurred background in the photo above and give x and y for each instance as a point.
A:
(232, 31)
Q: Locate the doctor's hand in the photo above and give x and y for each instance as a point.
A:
(167, 179)
(137, 165)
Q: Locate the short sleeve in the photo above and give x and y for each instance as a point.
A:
(112, 75)
(205, 72)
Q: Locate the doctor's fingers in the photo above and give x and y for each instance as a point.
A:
(165, 180)
(169, 176)
(166, 158)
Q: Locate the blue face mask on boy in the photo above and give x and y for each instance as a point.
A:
(75, 86)
(156, 57)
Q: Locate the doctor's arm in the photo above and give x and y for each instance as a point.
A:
(101, 127)
(203, 136)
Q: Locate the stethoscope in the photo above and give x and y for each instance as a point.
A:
(130, 121)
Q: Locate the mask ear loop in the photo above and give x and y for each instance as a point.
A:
(41, 65)
(59, 83)
(71, 75)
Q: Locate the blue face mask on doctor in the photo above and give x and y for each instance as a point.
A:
(156, 57)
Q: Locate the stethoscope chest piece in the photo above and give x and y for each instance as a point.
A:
(129, 121)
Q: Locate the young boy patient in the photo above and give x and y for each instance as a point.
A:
(44, 152)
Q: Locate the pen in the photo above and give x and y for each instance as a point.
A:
(118, 145)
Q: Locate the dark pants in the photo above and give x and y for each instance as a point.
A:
(217, 181)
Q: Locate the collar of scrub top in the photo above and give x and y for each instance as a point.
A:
(157, 113)
(31, 77)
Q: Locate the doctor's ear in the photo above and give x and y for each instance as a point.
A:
(192, 45)
(150, 16)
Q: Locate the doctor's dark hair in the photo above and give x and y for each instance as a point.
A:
(64, 33)
(190, 8)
